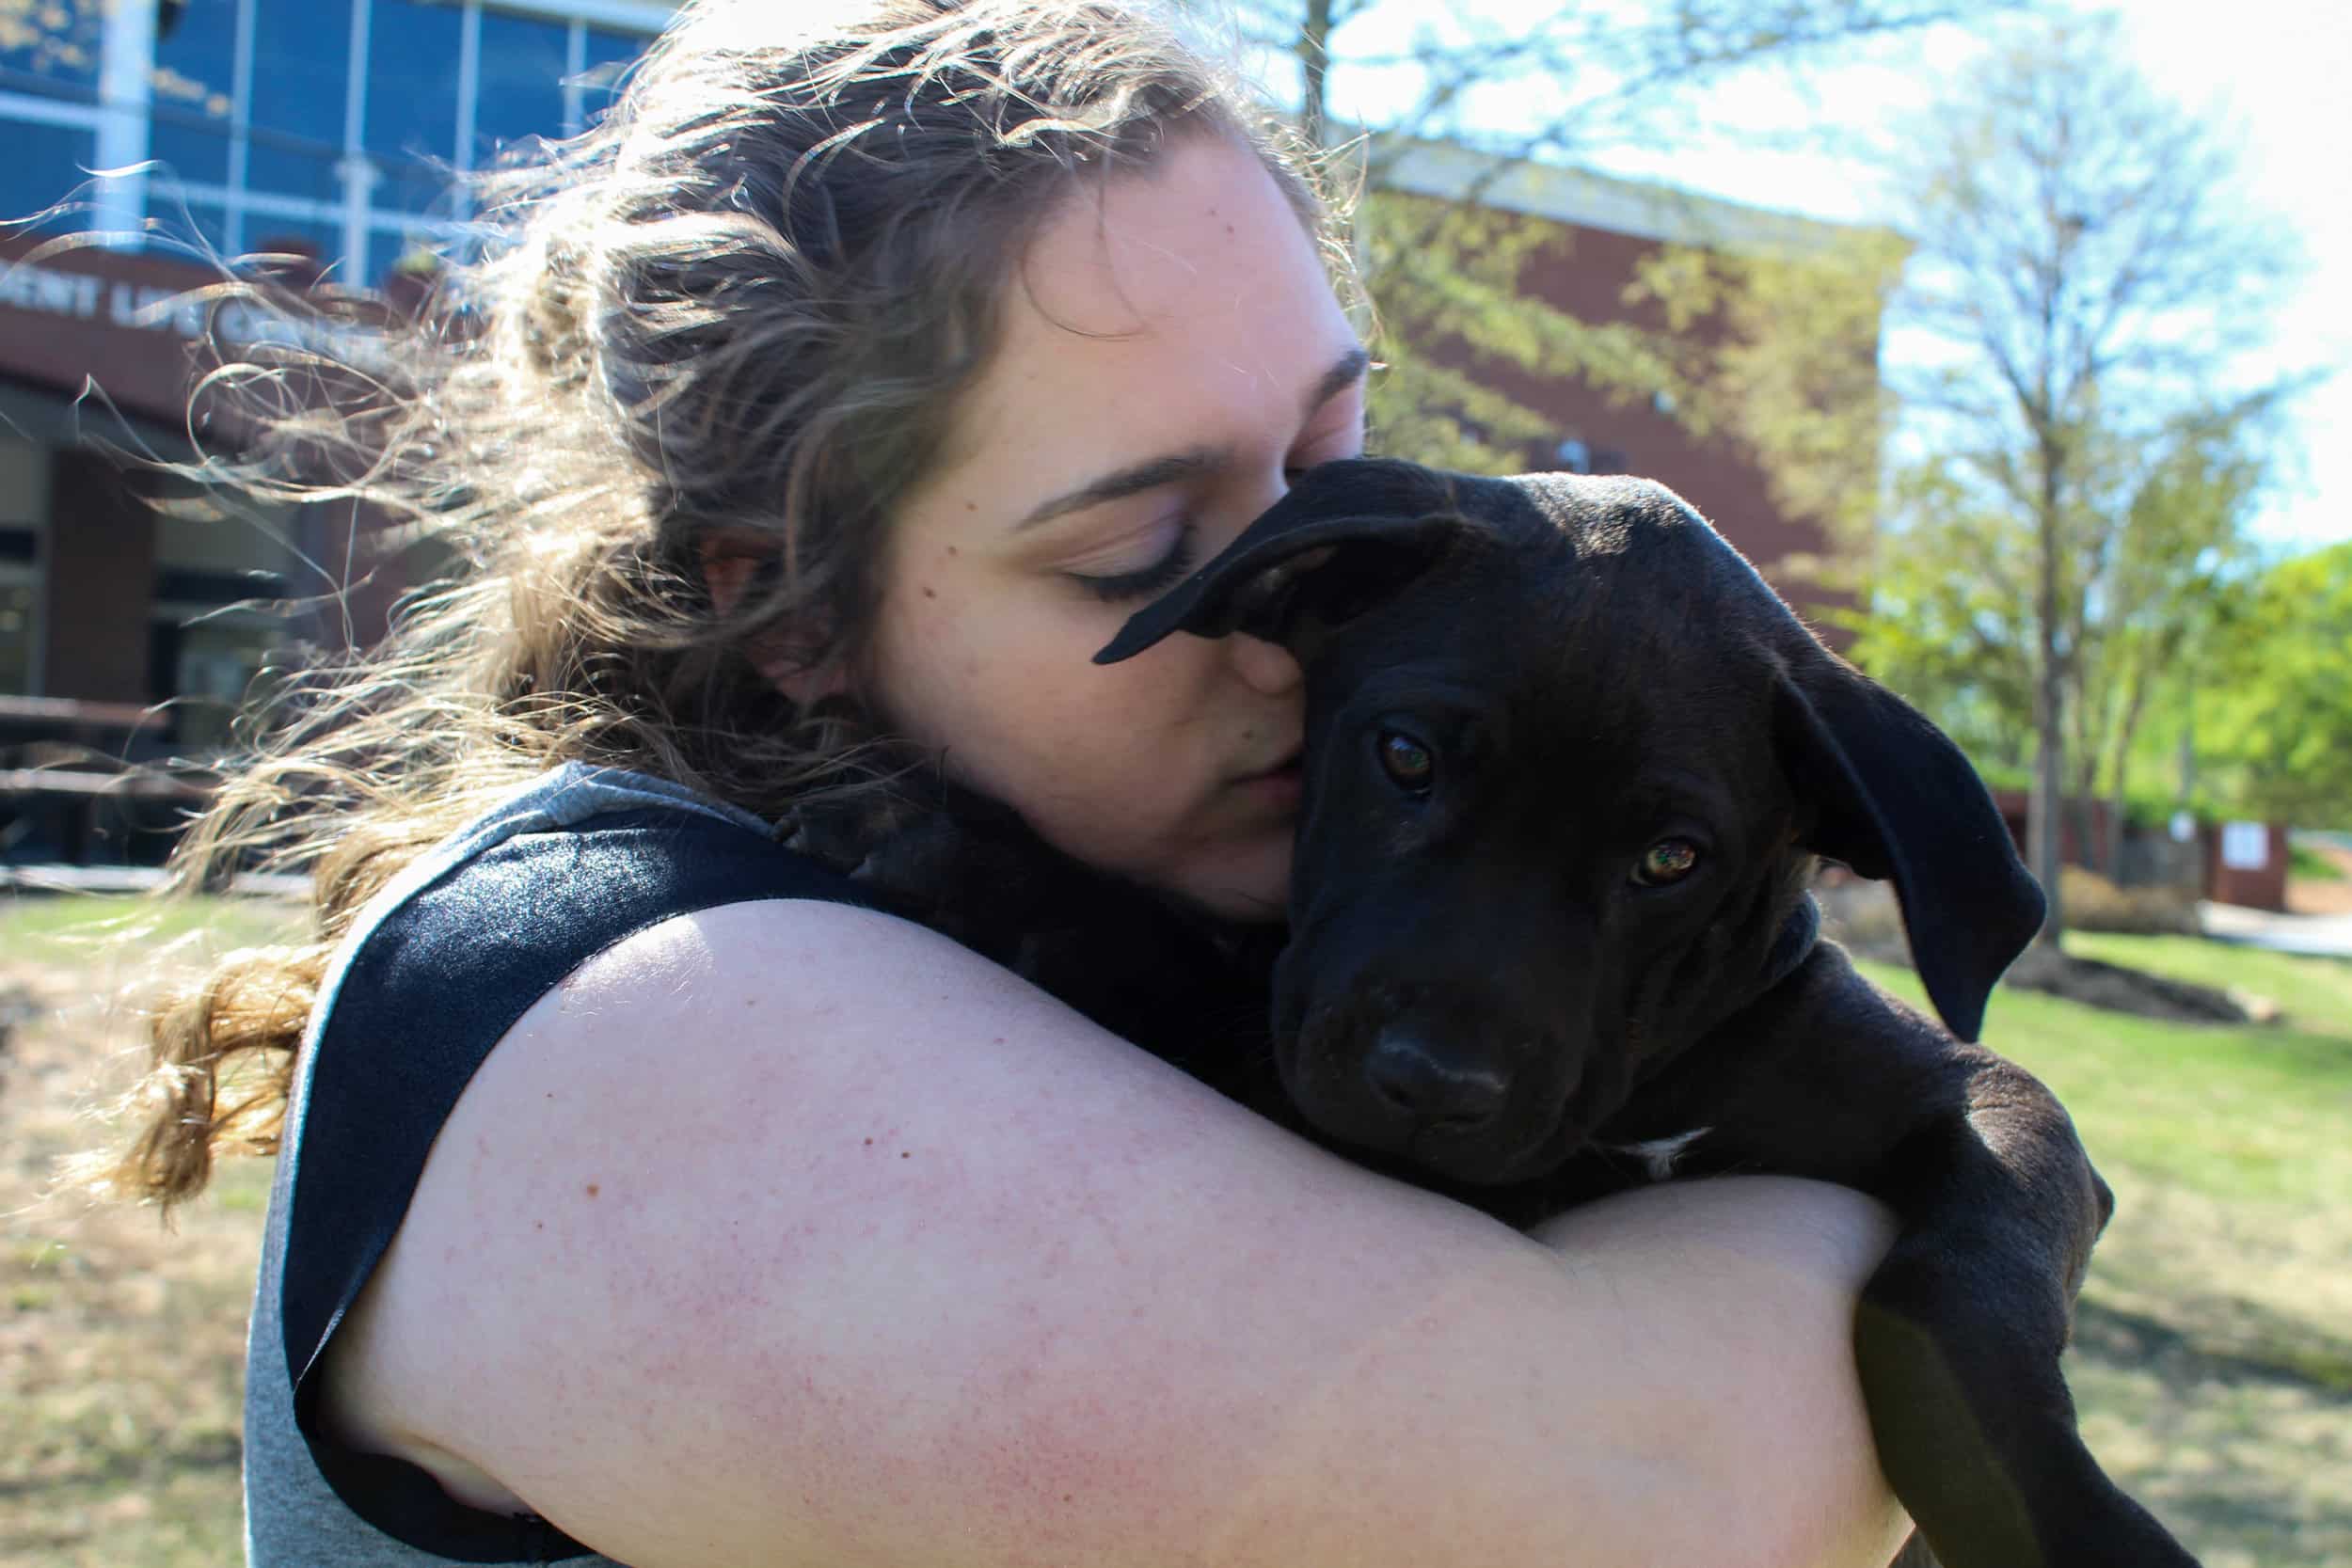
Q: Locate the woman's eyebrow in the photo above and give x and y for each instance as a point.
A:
(1130, 480)
(1154, 473)
(1340, 377)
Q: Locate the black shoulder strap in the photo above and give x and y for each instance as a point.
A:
(430, 991)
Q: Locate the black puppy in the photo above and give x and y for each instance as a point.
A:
(1569, 766)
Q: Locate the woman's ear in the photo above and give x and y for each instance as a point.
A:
(729, 565)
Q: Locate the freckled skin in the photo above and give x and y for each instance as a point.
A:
(1142, 329)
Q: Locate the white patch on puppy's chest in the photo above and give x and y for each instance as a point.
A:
(1657, 1155)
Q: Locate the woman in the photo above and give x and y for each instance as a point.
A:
(641, 1194)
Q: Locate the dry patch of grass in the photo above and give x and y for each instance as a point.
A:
(122, 1345)
(2315, 994)
(2212, 1358)
(2213, 1362)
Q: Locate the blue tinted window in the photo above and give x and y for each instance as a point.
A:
(182, 222)
(412, 99)
(277, 235)
(608, 53)
(196, 73)
(408, 184)
(202, 224)
(522, 93)
(301, 58)
(45, 164)
(52, 49)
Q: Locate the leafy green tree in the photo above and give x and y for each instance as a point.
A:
(1946, 621)
(2182, 546)
(2082, 279)
(1607, 73)
(2275, 713)
(1775, 346)
(1443, 274)
(1949, 617)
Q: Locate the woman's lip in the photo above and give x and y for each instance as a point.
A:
(1275, 789)
(1287, 767)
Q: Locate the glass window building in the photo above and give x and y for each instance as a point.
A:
(327, 125)
(331, 127)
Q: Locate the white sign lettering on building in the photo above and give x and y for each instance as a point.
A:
(80, 296)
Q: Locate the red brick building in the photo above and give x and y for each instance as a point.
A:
(105, 598)
(229, 127)
(118, 584)
(1604, 230)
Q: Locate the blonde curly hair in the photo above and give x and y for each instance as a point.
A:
(732, 318)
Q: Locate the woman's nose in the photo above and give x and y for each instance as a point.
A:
(1265, 667)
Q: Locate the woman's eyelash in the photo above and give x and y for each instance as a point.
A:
(1162, 572)
(1117, 587)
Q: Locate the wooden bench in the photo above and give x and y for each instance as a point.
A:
(62, 759)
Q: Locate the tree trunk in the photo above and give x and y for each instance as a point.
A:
(1314, 67)
(2188, 747)
(2085, 808)
(2081, 801)
(2049, 709)
(2119, 776)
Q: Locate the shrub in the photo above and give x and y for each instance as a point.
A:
(2095, 904)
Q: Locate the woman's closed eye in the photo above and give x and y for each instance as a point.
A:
(1143, 582)
(1179, 555)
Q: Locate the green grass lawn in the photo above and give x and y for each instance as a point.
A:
(2316, 993)
(2305, 862)
(2213, 1361)
(2253, 1112)
(102, 928)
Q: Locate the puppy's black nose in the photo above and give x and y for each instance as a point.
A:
(1408, 1074)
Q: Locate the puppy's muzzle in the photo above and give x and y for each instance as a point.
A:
(1428, 1076)
(1417, 1078)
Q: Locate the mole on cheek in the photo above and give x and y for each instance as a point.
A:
(929, 592)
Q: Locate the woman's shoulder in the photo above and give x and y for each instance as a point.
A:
(764, 1135)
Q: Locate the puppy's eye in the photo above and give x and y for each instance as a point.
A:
(1410, 764)
(1667, 861)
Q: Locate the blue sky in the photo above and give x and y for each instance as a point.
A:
(2274, 74)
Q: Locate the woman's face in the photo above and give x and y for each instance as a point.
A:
(1170, 355)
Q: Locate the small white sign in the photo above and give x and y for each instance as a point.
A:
(2184, 827)
(2244, 845)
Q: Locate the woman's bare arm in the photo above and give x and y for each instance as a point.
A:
(787, 1233)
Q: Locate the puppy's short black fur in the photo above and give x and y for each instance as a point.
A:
(1570, 765)
(1550, 935)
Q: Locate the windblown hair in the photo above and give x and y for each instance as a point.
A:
(731, 320)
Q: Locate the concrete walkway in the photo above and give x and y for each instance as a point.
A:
(134, 878)
(2322, 935)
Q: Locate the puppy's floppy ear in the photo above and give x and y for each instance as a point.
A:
(1898, 801)
(1348, 534)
